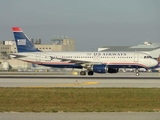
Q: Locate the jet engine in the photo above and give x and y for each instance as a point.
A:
(99, 68)
(113, 70)
(102, 68)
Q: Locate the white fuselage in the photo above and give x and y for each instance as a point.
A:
(108, 58)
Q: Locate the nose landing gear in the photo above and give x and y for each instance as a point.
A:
(137, 72)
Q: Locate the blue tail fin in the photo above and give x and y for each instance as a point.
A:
(22, 41)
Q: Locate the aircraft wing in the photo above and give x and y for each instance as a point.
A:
(78, 61)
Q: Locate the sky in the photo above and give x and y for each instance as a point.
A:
(91, 23)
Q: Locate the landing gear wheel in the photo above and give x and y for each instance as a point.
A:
(82, 73)
(137, 73)
(90, 73)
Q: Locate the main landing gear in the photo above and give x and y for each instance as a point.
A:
(84, 73)
(90, 72)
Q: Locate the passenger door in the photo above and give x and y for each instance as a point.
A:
(136, 57)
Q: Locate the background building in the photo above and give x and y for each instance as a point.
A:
(58, 44)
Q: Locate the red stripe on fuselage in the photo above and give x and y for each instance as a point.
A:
(67, 63)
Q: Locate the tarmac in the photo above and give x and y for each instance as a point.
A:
(120, 80)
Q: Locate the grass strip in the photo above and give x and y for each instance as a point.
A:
(79, 99)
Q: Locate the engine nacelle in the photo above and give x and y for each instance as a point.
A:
(102, 68)
(99, 68)
(113, 70)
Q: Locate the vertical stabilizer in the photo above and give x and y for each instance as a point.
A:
(22, 41)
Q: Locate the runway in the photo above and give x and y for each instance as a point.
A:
(82, 116)
(150, 80)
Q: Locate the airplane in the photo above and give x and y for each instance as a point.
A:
(88, 62)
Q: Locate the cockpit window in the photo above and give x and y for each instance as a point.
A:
(147, 57)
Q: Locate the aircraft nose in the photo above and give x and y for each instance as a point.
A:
(154, 63)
